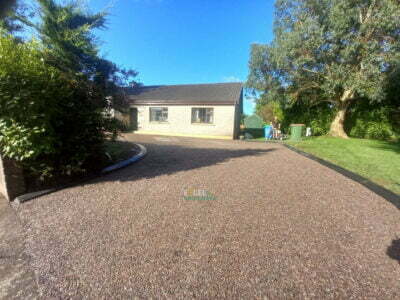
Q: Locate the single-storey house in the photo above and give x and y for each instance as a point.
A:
(199, 110)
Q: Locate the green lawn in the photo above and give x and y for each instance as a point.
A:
(376, 160)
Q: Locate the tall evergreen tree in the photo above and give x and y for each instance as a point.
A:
(66, 30)
(338, 51)
(14, 15)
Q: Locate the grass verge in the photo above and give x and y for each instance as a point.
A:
(378, 161)
(118, 150)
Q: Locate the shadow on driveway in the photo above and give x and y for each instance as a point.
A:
(165, 159)
(393, 251)
(125, 236)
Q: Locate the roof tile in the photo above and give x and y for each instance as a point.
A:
(217, 93)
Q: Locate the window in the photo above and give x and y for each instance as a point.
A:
(202, 115)
(158, 114)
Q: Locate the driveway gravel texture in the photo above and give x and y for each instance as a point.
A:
(280, 226)
(17, 280)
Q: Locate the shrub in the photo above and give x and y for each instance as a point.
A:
(49, 122)
(268, 112)
(318, 118)
(372, 121)
(379, 131)
(364, 120)
(321, 123)
(113, 127)
(371, 125)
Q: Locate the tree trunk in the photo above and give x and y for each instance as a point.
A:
(337, 125)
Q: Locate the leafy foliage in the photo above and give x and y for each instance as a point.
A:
(335, 51)
(365, 119)
(55, 93)
(13, 16)
(49, 122)
(318, 117)
(66, 30)
(67, 33)
(372, 129)
(113, 127)
(372, 122)
(270, 111)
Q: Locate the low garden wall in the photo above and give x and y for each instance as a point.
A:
(12, 182)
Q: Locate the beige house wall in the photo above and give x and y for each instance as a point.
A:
(179, 121)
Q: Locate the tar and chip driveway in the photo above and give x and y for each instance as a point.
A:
(280, 226)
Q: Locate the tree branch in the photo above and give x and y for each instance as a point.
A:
(25, 21)
(314, 72)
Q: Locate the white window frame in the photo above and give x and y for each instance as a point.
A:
(199, 117)
(164, 114)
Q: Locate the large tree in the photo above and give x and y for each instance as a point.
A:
(338, 51)
(67, 32)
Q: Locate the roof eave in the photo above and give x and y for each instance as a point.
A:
(163, 102)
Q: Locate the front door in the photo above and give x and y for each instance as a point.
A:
(133, 113)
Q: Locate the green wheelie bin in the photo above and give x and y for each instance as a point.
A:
(296, 131)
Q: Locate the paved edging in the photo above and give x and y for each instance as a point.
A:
(377, 189)
(122, 164)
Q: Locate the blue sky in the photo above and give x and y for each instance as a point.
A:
(185, 41)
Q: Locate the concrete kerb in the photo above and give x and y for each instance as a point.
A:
(127, 162)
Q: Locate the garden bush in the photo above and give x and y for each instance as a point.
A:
(364, 120)
(371, 122)
(318, 118)
(269, 111)
(50, 123)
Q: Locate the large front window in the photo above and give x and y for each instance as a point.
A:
(158, 114)
(202, 115)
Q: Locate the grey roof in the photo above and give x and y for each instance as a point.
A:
(207, 94)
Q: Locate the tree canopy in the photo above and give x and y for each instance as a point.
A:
(6, 6)
(335, 51)
(67, 32)
(12, 16)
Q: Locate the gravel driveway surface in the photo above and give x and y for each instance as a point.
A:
(281, 226)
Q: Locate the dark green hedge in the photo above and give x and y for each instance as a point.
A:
(363, 120)
(50, 123)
